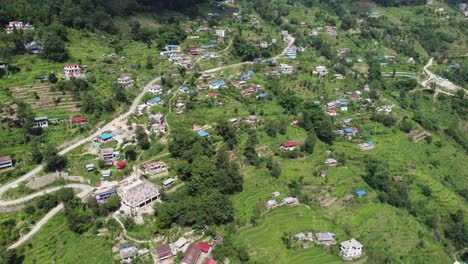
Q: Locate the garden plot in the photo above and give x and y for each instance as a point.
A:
(40, 97)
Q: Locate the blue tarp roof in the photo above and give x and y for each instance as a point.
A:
(262, 95)
(155, 100)
(250, 72)
(106, 136)
(361, 192)
(348, 130)
(172, 46)
(203, 133)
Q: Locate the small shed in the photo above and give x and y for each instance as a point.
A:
(106, 173)
(168, 182)
(90, 167)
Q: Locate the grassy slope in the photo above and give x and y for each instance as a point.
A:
(54, 242)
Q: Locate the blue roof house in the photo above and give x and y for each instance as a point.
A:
(184, 89)
(360, 193)
(106, 136)
(203, 133)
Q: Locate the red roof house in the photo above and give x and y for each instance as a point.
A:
(121, 164)
(204, 247)
(291, 145)
(78, 119)
(210, 261)
(212, 95)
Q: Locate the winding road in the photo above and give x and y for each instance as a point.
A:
(85, 189)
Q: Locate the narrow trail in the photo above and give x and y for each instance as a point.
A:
(129, 237)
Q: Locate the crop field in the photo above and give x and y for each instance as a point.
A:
(46, 99)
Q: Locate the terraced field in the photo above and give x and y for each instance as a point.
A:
(46, 98)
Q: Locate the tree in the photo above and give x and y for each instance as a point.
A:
(325, 131)
(54, 48)
(53, 161)
(228, 132)
(52, 78)
(276, 170)
(348, 22)
(112, 203)
(130, 155)
(36, 152)
(149, 63)
(65, 194)
(182, 71)
(310, 141)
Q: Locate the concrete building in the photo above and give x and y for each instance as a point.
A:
(351, 249)
(138, 193)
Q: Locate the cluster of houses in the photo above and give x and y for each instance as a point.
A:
(125, 81)
(196, 252)
(349, 249)
(18, 25)
(273, 203)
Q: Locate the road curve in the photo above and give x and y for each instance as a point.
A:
(85, 189)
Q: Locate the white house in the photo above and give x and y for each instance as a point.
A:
(73, 70)
(220, 33)
(125, 81)
(291, 53)
(18, 25)
(286, 69)
(41, 122)
(158, 89)
(351, 249)
(321, 70)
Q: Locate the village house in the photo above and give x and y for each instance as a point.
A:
(398, 179)
(289, 145)
(105, 137)
(125, 81)
(5, 162)
(102, 195)
(34, 47)
(128, 252)
(170, 47)
(252, 119)
(233, 121)
(251, 90)
(214, 85)
(107, 153)
(73, 70)
(291, 53)
(291, 201)
(271, 204)
(163, 252)
(78, 120)
(264, 44)
(325, 238)
(158, 123)
(366, 146)
(18, 25)
(155, 167)
(321, 70)
(331, 30)
(360, 193)
(331, 162)
(40, 122)
(154, 101)
(332, 112)
(168, 182)
(351, 249)
(106, 173)
(220, 33)
(180, 243)
(275, 194)
(89, 167)
(138, 194)
(192, 254)
(286, 69)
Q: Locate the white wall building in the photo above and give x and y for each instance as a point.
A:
(351, 249)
